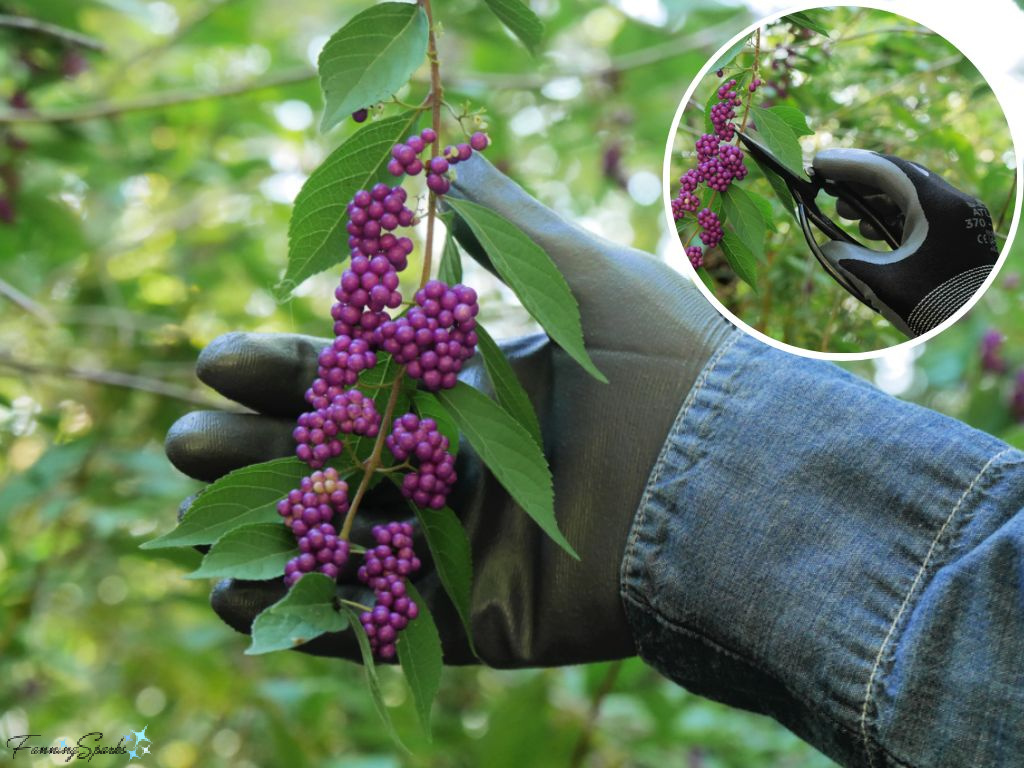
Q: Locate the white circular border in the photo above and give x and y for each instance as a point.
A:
(890, 7)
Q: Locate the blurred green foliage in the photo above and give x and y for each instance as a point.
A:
(881, 82)
(139, 233)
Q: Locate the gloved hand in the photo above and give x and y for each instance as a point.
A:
(649, 331)
(947, 246)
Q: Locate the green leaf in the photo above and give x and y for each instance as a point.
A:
(307, 611)
(705, 277)
(528, 270)
(764, 207)
(370, 58)
(740, 259)
(372, 680)
(775, 133)
(453, 559)
(419, 653)
(521, 21)
(317, 239)
(794, 118)
(731, 53)
(805, 20)
(428, 406)
(450, 269)
(779, 188)
(745, 219)
(507, 388)
(257, 552)
(243, 497)
(509, 452)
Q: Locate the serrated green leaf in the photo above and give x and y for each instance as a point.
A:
(453, 558)
(370, 58)
(257, 552)
(764, 206)
(528, 270)
(740, 259)
(705, 277)
(744, 218)
(307, 611)
(776, 135)
(779, 188)
(372, 680)
(731, 53)
(419, 653)
(507, 388)
(450, 269)
(805, 20)
(243, 497)
(317, 239)
(427, 405)
(712, 100)
(509, 451)
(520, 20)
(794, 118)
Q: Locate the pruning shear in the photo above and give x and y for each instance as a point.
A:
(804, 191)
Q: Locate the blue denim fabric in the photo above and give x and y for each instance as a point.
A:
(850, 564)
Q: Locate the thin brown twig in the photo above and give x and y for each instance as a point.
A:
(51, 30)
(111, 379)
(587, 734)
(436, 104)
(155, 101)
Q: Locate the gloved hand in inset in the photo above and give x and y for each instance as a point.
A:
(947, 247)
(649, 331)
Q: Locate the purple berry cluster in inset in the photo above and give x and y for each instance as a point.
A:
(436, 336)
(309, 512)
(385, 568)
(718, 164)
(418, 440)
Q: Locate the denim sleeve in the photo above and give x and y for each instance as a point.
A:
(852, 565)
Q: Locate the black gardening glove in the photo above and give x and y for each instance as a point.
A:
(947, 246)
(648, 330)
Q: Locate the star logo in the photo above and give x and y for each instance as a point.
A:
(140, 736)
(133, 753)
(128, 736)
(63, 743)
(145, 750)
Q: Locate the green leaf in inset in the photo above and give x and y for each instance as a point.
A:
(528, 270)
(775, 133)
(731, 53)
(764, 207)
(419, 653)
(307, 611)
(450, 269)
(705, 277)
(257, 552)
(373, 681)
(317, 239)
(428, 406)
(370, 58)
(807, 21)
(507, 389)
(779, 188)
(744, 218)
(794, 118)
(453, 559)
(521, 21)
(243, 497)
(509, 452)
(740, 259)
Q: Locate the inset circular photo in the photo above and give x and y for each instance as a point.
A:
(842, 180)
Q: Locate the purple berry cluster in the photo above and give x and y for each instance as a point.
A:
(405, 158)
(431, 340)
(435, 336)
(309, 511)
(385, 568)
(413, 438)
(993, 361)
(719, 163)
(991, 352)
